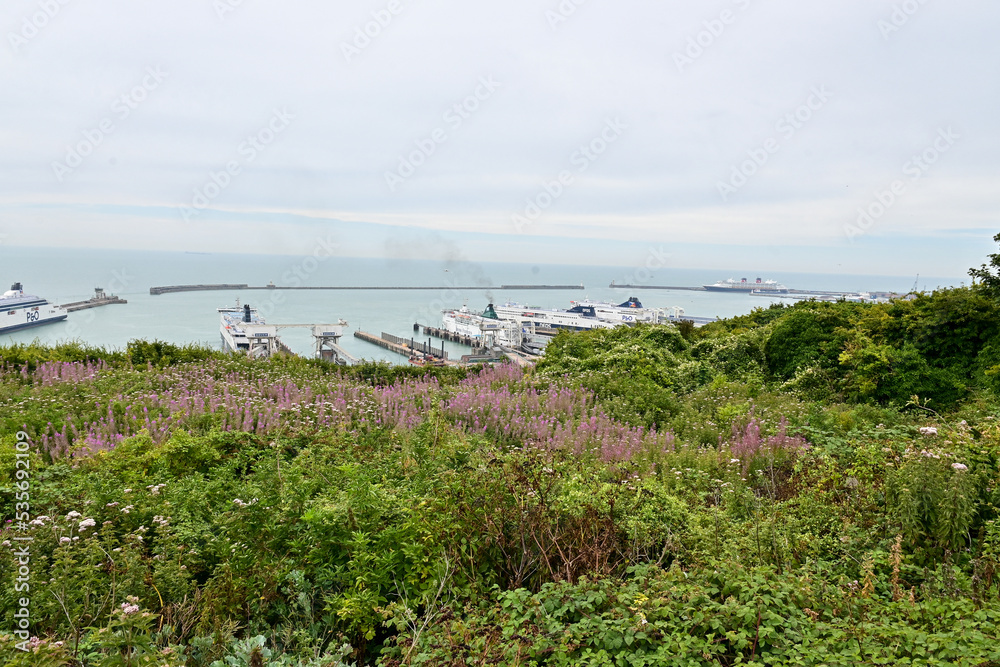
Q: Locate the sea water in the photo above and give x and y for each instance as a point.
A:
(63, 275)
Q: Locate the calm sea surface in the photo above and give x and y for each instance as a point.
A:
(63, 275)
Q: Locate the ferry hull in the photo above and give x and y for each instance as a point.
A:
(6, 328)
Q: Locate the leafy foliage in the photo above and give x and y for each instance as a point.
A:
(808, 485)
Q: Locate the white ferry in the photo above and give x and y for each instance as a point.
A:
(20, 311)
(578, 318)
(244, 330)
(463, 321)
(629, 312)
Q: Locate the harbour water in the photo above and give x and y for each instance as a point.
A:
(64, 275)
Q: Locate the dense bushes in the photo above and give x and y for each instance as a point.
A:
(938, 346)
(768, 492)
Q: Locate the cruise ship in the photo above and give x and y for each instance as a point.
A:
(20, 310)
(744, 285)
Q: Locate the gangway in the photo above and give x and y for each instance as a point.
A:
(326, 338)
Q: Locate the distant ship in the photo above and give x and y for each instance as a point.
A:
(20, 311)
(743, 285)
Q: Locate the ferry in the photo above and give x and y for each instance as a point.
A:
(244, 330)
(465, 322)
(743, 285)
(578, 318)
(20, 310)
(629, 312)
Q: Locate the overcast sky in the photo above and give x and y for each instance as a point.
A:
(581, 131)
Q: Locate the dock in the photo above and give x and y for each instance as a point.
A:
(171, 289)
(99, 299)
(167, 289)
(443, 334)
(666, 287)
(789, 294)
(407, 347)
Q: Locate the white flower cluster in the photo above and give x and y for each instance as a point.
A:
(240, 503)
(87, 523)
(155, 488)
(928, 430)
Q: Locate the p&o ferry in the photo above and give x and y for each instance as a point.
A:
(20, 311)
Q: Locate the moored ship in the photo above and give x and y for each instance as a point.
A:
(744, 285)
(629, 312)
(466, 323)
(578, 318)
(20, 311)
(244, 330)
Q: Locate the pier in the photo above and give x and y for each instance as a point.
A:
(789, 294)
(195, 288)
(667, 287)
(404, 346)
(449, 335)
(99, 299)
(171, 289)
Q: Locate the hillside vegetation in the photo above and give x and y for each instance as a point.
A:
(808, 485)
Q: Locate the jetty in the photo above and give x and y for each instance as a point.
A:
(218, 287)
(408, 347)
(167, 289)
(789, 294)
(99, 299)
(452, 336)
(667, 287)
